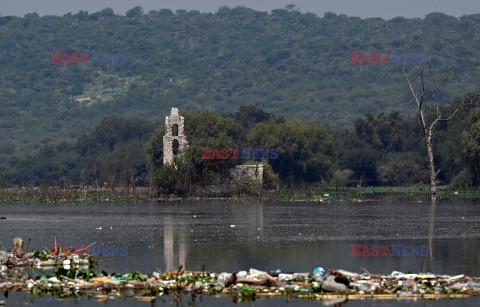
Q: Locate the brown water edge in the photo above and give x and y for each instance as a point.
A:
(55, 194)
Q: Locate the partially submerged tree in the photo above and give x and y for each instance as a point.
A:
(424, 88)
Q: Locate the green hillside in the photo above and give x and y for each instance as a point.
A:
(286, 62)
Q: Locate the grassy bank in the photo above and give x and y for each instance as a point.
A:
(413, 190)
(57, 195)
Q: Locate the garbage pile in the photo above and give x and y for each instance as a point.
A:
(244, 285)
(70, 279)
(46, 259)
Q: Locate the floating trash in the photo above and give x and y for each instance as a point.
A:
(247, 285)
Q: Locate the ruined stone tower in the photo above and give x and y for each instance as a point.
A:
(174, 140)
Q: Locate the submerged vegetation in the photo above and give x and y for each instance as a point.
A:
(320, 194)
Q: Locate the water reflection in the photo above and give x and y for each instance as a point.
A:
(430, 266)
(265, 235)
(244, 226)
(174, 260)
(26, 299)
(232, 236)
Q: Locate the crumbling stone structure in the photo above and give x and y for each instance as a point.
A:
(174, 133)
(248, 178)
(251, 173)
(245, 178)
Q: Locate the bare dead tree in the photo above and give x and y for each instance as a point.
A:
(424, 88)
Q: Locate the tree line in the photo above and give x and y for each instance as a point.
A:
(384, 149)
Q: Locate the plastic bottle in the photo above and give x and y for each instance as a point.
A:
(359, 285)
(331, 285)
(319, 273)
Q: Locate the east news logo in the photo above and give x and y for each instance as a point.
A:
(396, 250)
(396, 56)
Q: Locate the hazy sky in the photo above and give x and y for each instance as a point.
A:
(364, 8)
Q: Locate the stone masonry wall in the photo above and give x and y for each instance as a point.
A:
(173, 119)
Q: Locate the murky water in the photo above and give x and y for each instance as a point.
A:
(233, 236)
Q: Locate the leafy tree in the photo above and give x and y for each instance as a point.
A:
(341, 178)
(305, 152)
(451, 162)
(112, 130)
(202, 126)
(114, 152)
(55, 164)
(362, 160)
(108, 12)
(134, 12)
(356, 154)
(248, 116)
(402, 169)
(463, 179)
(383, 132)
(471, 146)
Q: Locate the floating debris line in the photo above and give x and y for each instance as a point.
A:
(74, 275)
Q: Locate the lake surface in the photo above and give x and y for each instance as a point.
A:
(231, 236)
